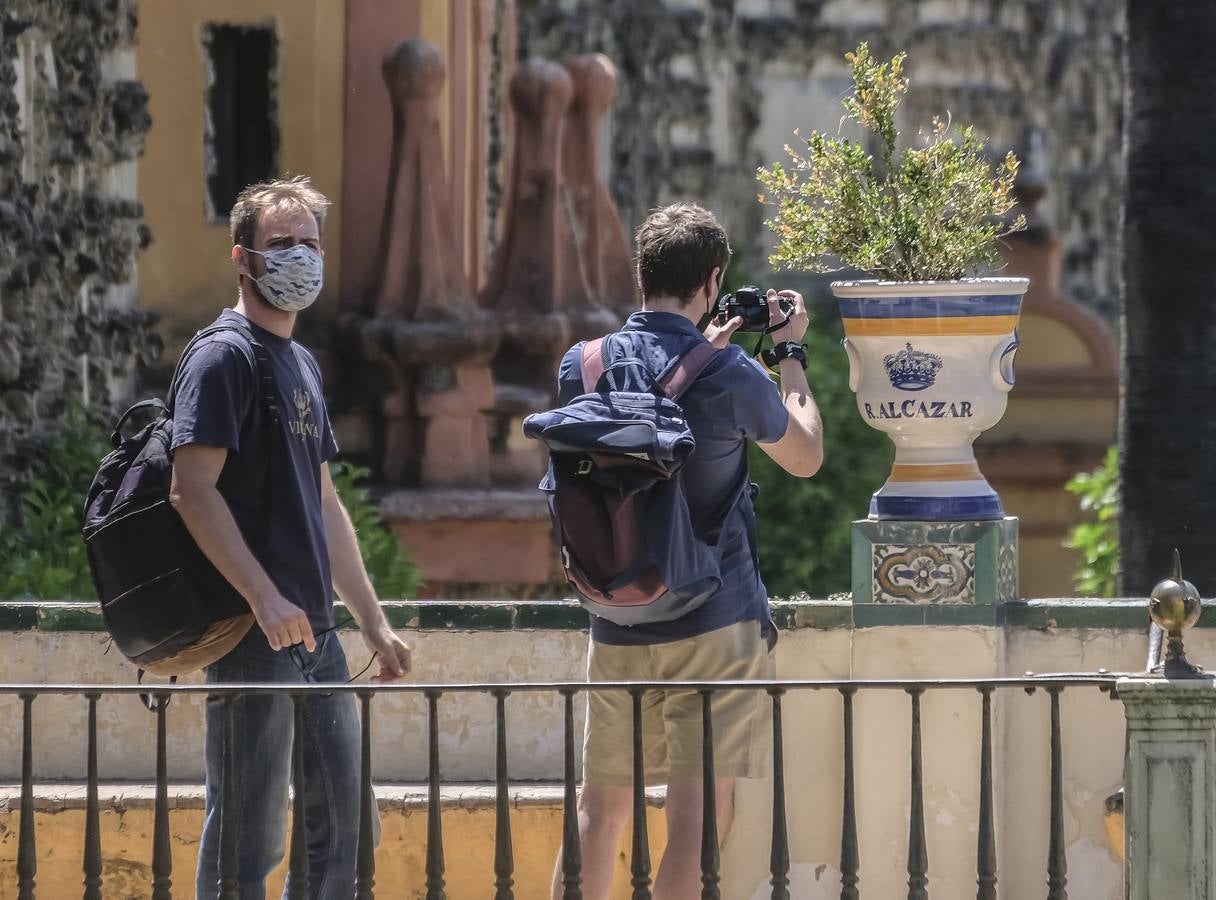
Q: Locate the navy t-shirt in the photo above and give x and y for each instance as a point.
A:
(272, 477)
(733, 401)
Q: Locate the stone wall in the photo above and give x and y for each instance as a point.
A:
(72, 124)
(546, 642)
(711, 89)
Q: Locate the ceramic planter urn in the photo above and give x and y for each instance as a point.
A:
(931, 364)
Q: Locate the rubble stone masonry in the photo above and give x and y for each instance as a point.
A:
(72, 125)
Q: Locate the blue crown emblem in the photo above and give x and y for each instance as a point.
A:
(912, 370)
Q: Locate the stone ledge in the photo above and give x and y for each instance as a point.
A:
(465, 505)
(128, 795)
(1130, 613)
(567, 615)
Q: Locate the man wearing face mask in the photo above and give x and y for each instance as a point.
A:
(257, 497)
(682, 253)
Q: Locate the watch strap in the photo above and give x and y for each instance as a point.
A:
(785, 350)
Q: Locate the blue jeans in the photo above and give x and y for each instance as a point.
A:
(263, 727)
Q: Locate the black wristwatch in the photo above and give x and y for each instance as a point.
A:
(785, 350)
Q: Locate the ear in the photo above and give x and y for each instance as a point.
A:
(715, 282)
(240, 261)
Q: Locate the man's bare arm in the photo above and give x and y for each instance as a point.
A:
(355, 587)
(800, 450)
(193, 493)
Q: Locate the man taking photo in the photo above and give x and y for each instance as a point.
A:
(682, 253)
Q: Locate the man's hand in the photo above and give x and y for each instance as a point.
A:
(283, 623)
(795, 329)
(719, 335)
(392, 652)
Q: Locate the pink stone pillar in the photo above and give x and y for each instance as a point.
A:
(422, 321)
(602, 242)
(531, 272)
(536, 287)
(537, 269)
(419, 270)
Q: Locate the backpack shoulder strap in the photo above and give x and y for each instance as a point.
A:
(267, 387)
(680, 377)
(593, 364)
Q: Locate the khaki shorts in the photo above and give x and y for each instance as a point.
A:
(671, 720)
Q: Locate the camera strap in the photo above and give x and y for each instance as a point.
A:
(765, 333)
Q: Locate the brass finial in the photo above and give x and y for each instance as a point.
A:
(1175, 606)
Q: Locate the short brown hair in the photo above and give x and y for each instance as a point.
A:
(297, 191)
(678, 247)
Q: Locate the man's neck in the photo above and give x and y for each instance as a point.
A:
(686, 309)
(276, 321)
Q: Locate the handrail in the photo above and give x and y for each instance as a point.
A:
(570, 865)
(1060, 680)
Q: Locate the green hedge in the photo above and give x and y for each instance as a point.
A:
(42, 554)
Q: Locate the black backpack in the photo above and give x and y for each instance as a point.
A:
(160, 595)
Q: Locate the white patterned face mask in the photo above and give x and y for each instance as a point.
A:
(293, 277)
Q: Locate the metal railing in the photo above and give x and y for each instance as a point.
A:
(504, 866)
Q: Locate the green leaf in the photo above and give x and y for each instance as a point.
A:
(392, 572)
(1097, 539)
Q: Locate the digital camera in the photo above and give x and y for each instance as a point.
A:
(749, 304)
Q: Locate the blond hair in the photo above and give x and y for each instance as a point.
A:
(297, 191)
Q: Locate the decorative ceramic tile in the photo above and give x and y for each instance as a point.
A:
(926, 573)
(1007, 572)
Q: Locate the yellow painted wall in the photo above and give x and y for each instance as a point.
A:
(468, 836)
(186, 275)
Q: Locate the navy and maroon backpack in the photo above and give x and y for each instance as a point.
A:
(616, 487)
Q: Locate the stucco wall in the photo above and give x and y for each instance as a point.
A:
(1092, 736)
(186, 274)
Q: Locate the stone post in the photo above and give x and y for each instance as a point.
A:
(1170, 794)
(602, 242)
(536, 287)
(422, 321)
(1171, 788)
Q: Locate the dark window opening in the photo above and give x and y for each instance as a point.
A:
(243, 135)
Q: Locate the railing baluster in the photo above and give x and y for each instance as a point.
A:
(572, 851)
(779, 856)
(918, 854)
(434, 820)
(640, 864)
(985, 854)
(228, 814)
(504, 860)
(709, 814)
(92, 813)
(365, 874)
(297, 875)
(850, 862)
(27, 851)
(162, 850)
(1057, 864)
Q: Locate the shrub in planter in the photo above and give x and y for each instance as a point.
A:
(930, 346)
